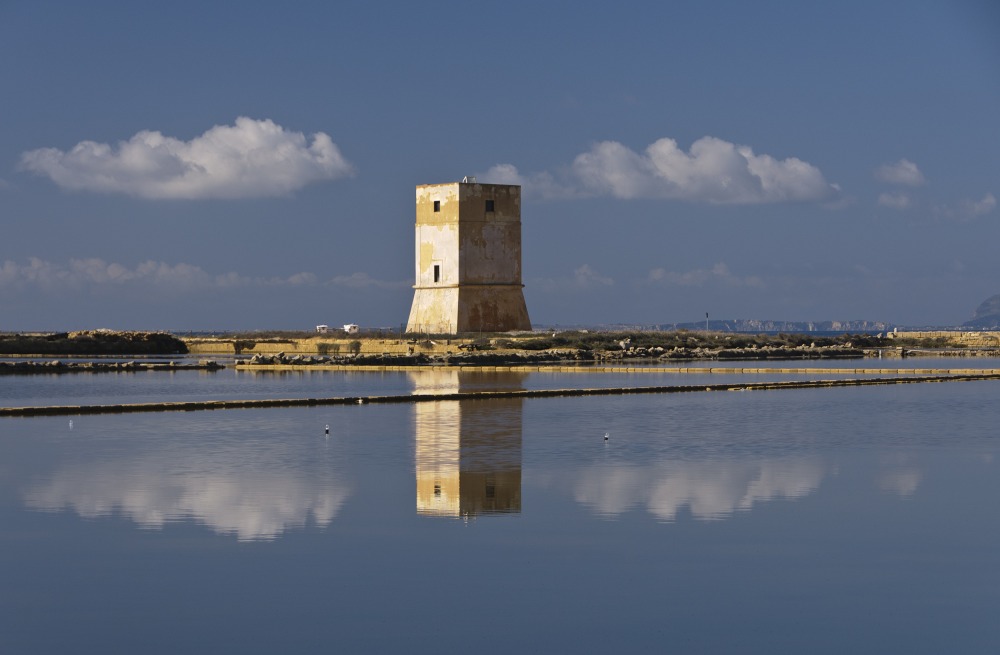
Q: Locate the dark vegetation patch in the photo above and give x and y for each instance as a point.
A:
(96, 342)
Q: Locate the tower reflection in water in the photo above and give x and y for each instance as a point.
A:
(468, 453)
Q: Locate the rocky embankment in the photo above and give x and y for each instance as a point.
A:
(56, 366)
(557, 356)
(839, 351)
(419, 359)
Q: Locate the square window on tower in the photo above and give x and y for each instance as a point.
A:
(489, 206)
(437, 272)
(437, 205)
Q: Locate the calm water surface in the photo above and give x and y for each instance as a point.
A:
(136, 387)
(858, 520)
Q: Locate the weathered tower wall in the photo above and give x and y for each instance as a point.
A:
(468, 259)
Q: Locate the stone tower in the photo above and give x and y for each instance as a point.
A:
(468, 259)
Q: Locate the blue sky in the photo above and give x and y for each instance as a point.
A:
(206, 166)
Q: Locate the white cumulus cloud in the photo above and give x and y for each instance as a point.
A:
(712, 171)
(502, 174)
(542, 184)
(718, 274)
(980, 207)
(365, 281)
(587, 277)
(250, 159)
(904, 173)
(967, 209)
(583, 277)
(894, 200)
(95, 273)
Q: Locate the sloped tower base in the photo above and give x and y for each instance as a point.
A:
(470, 308)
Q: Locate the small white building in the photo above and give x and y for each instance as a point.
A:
(351, 328)
(322, 329)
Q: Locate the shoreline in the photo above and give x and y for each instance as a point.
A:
(559, 360)
(156, 351)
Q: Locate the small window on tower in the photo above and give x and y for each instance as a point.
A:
(489, 206)
(437, 205)
(437, 272)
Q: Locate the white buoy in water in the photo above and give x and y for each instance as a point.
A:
(606, 435)
(327, 429)
(71, 424)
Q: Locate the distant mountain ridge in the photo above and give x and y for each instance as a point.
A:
(987, 315)
(755, 325)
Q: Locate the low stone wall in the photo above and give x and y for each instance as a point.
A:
(967, 339)
(322, 346)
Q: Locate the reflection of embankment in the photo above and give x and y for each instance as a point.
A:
(153, 490)
(708, 490)
(468, 454)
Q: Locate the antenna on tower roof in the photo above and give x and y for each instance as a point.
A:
(469, 179)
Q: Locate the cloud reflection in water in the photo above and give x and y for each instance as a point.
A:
(710, 490)
(250, 504)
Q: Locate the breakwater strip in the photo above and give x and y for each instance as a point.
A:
(557, 368)
(68, 410)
